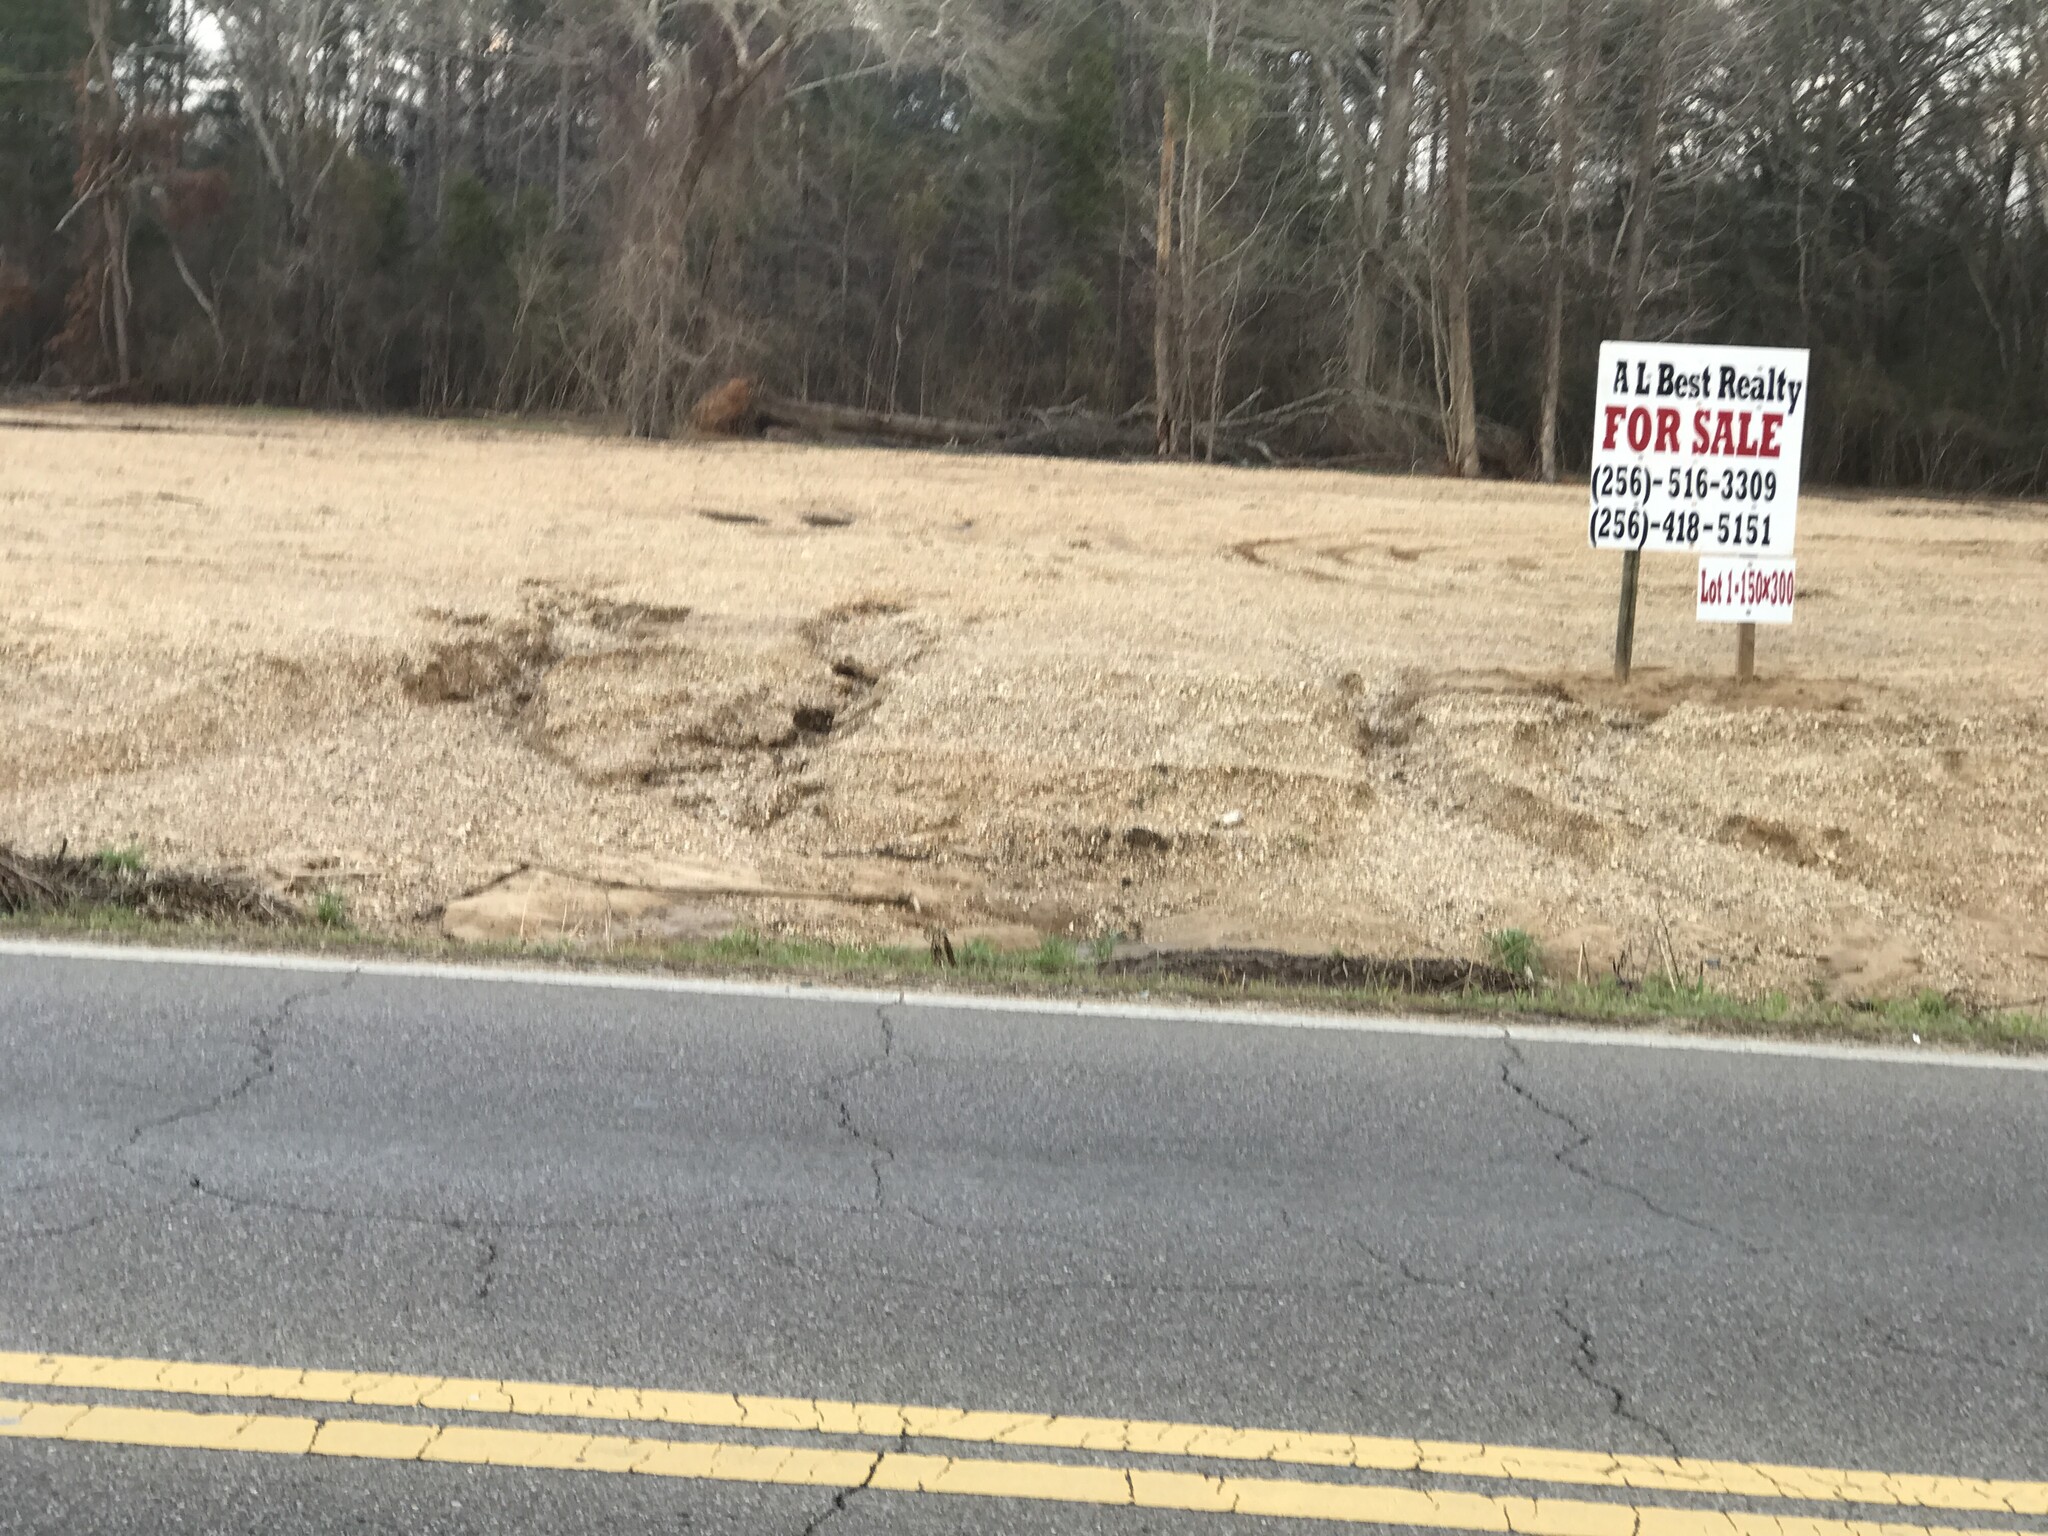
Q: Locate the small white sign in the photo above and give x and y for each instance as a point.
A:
(1697, 448)
(1745, 591)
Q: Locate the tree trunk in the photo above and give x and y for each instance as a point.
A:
(1643, 172)
(1163, 282)
(562, 143)
(1461, 423)
(97, 328)
(120, 287)
(1397, 117)
(1563, 179)
(1375, 210)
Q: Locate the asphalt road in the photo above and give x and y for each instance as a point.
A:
(1591, 1246)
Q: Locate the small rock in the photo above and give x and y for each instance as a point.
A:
(1230, 819)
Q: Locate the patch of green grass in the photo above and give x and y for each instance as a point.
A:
(754, 951)
(1515, 952)
(126, 860)
(331, 910)
(1054, 956)
(979, 955)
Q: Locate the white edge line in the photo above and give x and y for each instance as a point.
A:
(1361, 1024)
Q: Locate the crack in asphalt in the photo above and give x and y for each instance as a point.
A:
(1585, 1358)
(1579, 1138)
(269, 1039)
(262, 1066)
(269, 1031)
(1586, 1363)
(1413, 1276)
(67, 1229)
(486, 1263)
(472, 1224)
(1896, 1340)
(833, 1091)
(846, 1496)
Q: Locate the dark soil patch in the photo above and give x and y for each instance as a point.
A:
(1253, 551)
(458, 671)
(606, 614)
(1773, 840)
(737, 519)
(1236, 967)
(53, 882)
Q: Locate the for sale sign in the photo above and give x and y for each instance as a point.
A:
(1697, 448)
(1745, 591)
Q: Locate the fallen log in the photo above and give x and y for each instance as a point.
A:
(741, 407)
(772, 410)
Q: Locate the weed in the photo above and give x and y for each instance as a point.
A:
(122, 861)
(1054, 956)
(331, 910)
(1515, 952)
(1102, 949)
(754, 950)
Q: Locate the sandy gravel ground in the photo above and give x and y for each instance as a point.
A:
(1180, 704)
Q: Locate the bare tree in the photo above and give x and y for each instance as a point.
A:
(1642, 178)
(1461, 411)
(1564, 166)
(104, 291)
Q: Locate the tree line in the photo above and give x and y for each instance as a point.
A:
(1382, 232)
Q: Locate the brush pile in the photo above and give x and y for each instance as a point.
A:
(64, 881)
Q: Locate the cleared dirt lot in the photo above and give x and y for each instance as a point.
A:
(1189, 705)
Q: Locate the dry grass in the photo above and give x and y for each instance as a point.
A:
(397, 661)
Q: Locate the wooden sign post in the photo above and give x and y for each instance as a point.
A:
(1625, 621)
(1697, 449)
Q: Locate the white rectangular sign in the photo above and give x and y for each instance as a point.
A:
(1745, 591)
(1697, 448)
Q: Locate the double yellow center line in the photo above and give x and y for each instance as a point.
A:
(1133, 1486)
